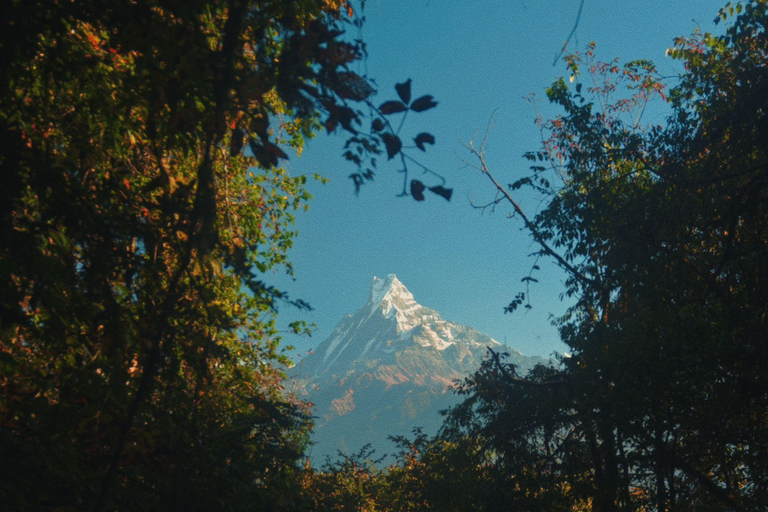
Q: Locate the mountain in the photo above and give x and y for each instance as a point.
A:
(387, 369)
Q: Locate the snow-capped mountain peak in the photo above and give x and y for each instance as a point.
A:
(388, 367)
(389, 290)
(393, 300)
(390, 322)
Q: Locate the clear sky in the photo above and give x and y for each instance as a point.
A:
(475, 58)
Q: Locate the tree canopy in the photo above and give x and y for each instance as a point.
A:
(661, 403)
(139, 354)
(141, 200)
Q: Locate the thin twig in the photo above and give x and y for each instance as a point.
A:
(480, 154)
(573, 31)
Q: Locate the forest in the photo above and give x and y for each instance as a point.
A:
(142, 199)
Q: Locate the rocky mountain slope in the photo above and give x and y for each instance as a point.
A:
(387, 369)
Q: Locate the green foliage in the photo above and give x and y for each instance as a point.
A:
(140, 201)
(438, 474)
(353, 483)
(663, 233)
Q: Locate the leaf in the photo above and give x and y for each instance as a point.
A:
(404, 91)
(417, 190)
(519, 183)
(276, 150)
(267, 153)
(377, 125)
(443, 192)
(424, 138)
(236, 142)
(330, 124)
(392, 107)
(357, 179)
(350, 85)
(424, 103)
(346, 116)
(393, 144)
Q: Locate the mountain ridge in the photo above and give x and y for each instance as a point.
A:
(388, 368)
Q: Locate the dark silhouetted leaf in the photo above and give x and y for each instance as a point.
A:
(424, 138)
(346, 116)
(377, 125)
(404, 91)
(276, 150)
(417, 190)
(236, 143)
(259, 125)
(393, 144)
(519, 183)
(357, 179)
(392, 107)
(424, 103)
(266, 153)
(350, 85)
(443, 192)
(330, 124)
(260, 153)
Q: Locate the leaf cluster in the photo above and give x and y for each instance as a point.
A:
(142, 206)
(660, 404)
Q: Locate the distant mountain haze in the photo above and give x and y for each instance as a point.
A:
(387, 369)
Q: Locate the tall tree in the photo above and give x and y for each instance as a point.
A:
(662, 231)
(138, 346)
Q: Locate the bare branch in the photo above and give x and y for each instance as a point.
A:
(573, 31)
(479, 153)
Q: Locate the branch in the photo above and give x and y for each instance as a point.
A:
(573, 31)
(515, 380)
(530, 226)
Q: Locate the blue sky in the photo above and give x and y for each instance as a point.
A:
(479, 60)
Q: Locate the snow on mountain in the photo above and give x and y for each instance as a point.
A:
(388, 368)
(389, 321)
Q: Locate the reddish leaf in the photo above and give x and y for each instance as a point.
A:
(404, 91)
(392, 107)
(424, 103)
(424, 138)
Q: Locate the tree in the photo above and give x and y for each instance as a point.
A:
(662, 232)
(138, 349)
(353, 482)
(438, 474)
